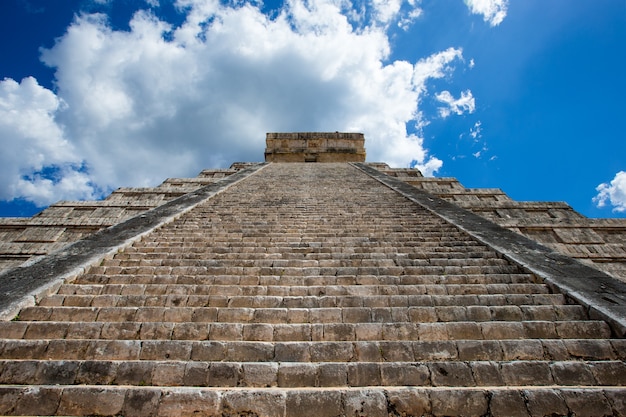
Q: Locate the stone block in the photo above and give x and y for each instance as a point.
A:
(190, 331)
(409, 402)
(292, 352)
(555, 350)
(587, 402)
(617, 399)
(260, 374)
(258, 332)
(545, 402)
(367, 352)
(356, 315)
(502, 330)
(572, 373)
(400, 331)
(526, 373)
(224, 374)
(18, 372)
(540, 330)
(486, 373)
(196, 374)
(168, 374)
(479, 350)
(435, 350)
(56, 372)
(369, 331)
(253, 403)
(433, 331)
(449, 402)
(97, 372)
(521, 349)
(332, 374)
(396, 351)
(13, 329)
(451, 374)
(407, 374)
(208, 351)
(364, 374)
(46, 330)
(297, 375)
(36, 401)
(182, 402)
(314, 404)
(589, 349)
(156, 331)
(507, 404)
(141, 402)
(294, 332)
(371, 403)
(134, 373)
(332, 352)
(226, 331)
(79, 400)
(422, 315)
(339, 332)
(249, 351)
(478, 313)
(609, 372)
(165, 350)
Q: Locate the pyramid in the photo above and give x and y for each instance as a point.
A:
(313, 284)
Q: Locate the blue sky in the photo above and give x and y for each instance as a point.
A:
(526, 96)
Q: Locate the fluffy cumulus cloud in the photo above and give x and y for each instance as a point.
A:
(133, 107)
(37, 161)
(613, 193)
(493, 11)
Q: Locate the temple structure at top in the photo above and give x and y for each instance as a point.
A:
(315, 147)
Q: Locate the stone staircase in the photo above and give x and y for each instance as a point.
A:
(309, 290)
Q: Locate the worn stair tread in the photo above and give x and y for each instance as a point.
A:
(305, 315)
(318, 402)
(376, 351)
(178, 300)
(313, 374)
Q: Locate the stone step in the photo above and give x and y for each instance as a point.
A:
(181, 300)
(132, 330)
(303, 290)
(305, 315)
(361, 351)
(233, 251)
(318, 374)
(319, 402)
(320, 270)
(144, 276)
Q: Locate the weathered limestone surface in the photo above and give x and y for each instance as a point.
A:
(315, 147)
(309, 289)
(23, 239)
(600, 243)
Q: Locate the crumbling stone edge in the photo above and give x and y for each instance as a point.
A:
(603, 296)
(26, 284)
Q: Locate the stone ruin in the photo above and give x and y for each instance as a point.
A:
(335, 288)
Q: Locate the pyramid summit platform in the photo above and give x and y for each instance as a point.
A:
(298, 288)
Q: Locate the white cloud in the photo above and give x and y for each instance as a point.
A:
(613, 193)
(33, 142)
(465, 103)
(476, 131)
(493, 11)
(134, 107)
